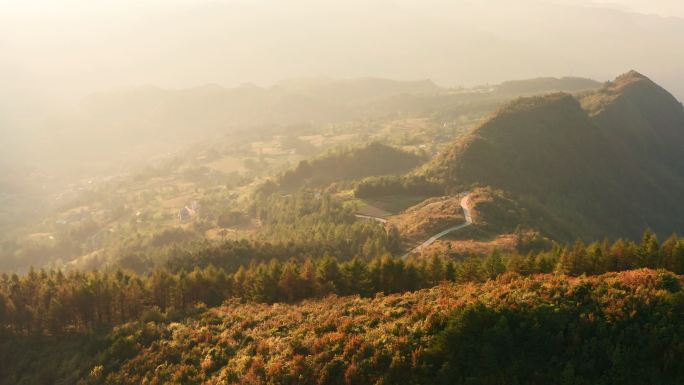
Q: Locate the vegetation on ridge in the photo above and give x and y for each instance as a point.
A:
(55, 302)
(348, 164)
(618, 328)
(576, 168)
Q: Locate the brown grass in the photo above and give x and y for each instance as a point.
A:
(429, 217)
(506, 243)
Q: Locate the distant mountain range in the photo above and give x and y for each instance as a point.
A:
(546, 84)
(143, 121)
(608, 161)
(213, 107)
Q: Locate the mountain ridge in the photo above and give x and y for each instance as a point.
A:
(606, 156)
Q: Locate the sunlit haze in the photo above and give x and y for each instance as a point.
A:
(70, 48)
(341, 192)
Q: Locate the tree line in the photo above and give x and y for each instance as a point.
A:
(378, 186)
(54, 302)
(348, 163)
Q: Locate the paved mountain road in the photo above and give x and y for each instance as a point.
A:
(379, 219)
(468, 221)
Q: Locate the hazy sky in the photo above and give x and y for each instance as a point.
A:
(54, 52)
(67, 48)
(659, 7)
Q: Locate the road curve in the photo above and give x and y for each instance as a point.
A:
(468, 221)
(379, 219)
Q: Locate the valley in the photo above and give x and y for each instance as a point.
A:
(391, 170)
(306, 192)
(359, 251)
(101, 217)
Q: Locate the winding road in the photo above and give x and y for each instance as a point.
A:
(468, 221)
(362, 216)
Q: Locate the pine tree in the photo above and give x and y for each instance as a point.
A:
(649, 250)
(355, 277)
(289, 283)
(435, 270)
(565, 263)
(328, 276)
(677, 256)
(470, 270)
(307, 276)
(5, 317)
(493, 265)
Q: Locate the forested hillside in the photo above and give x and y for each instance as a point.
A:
(50, 303)
(347, 164)
(306, 192)
(607, 164)
(617, 328)
(129, 215)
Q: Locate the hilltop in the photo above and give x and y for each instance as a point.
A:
(605, 162)
(641, 120)
(430, 216)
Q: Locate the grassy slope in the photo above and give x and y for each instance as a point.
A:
(431, 216)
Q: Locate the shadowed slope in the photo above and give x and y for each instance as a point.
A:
(609, 163)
